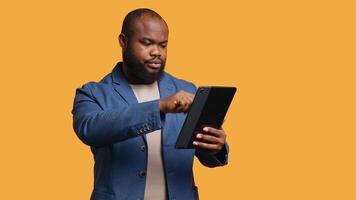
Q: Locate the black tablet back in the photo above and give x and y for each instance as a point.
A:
(209, 108)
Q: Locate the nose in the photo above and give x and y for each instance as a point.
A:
(155, 51)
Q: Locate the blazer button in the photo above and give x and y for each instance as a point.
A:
(142, 173)
(143, 148)
(141, 131)
(145, 129)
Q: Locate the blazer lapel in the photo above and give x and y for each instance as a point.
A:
(166, 89)
(121, 85)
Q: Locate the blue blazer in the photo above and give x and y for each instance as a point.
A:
(108, 117)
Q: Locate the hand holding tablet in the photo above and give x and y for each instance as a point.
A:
(208, 109)
(211, 140)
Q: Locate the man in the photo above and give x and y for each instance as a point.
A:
(131, 120)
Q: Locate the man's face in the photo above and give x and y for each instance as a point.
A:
(146, 52)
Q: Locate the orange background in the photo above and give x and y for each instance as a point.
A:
(291, 128)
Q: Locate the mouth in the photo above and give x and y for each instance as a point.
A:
(154, 64)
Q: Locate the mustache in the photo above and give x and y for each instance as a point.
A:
(155, 60)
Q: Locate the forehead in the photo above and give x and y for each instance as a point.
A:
(150, 27)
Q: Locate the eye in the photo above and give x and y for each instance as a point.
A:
(163, 45)
(146, 42)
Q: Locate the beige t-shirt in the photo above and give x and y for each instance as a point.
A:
(155, 180)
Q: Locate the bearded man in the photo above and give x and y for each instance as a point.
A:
(132, 117)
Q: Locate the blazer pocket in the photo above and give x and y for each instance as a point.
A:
(99, 195)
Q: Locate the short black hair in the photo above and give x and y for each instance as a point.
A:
(134, 15)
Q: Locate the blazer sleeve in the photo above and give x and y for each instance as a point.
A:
(98, 127)
(219, 159)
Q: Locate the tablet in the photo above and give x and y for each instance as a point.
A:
(208, 108)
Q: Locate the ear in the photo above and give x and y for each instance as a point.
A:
(123, 40)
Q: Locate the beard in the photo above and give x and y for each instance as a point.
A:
(138, 71)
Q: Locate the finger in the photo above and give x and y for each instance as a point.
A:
(183, 106)
(180, 99)
(187, 106)
(205, 146)
(187, 94)
(185, 100)
(214, 131)
(209, 139)
(181, 102)
(177, 102)
(186, 103)
(191, 99)
(180, 108)
(191, 95)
